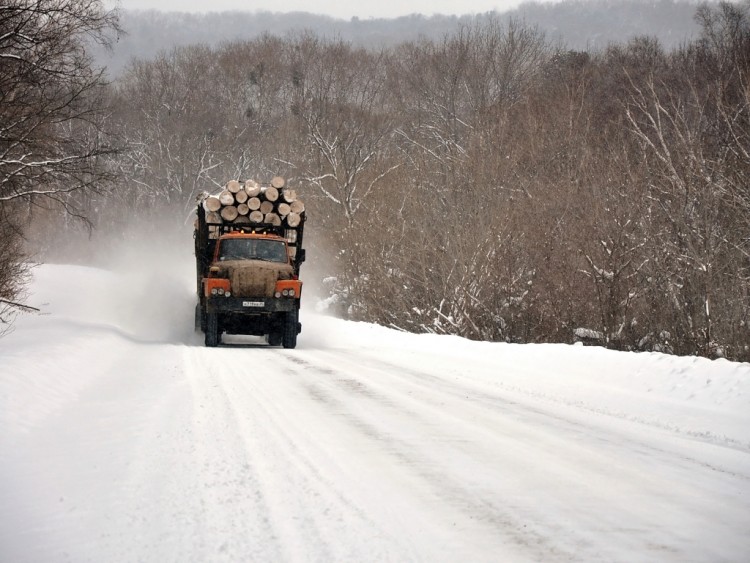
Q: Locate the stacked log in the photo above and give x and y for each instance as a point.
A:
(253, 203)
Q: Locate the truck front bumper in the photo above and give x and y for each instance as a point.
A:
(250, 305)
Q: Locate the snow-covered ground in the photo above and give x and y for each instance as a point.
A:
(123, 439)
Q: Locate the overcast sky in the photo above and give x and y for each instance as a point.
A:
(337, 8)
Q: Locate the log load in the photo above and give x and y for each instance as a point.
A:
(249, 202)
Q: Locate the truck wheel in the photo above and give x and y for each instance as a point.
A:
(212, 330)
(289, 338)
(274, 339)
(200, 318)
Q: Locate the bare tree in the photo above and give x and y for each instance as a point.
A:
(347, 128)
(695, 161)
(50, 98)
(51, 113)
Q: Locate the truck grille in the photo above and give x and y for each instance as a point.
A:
(253, 282)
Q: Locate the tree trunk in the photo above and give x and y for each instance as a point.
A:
(241, 196)
(253, 203)
(213, 218)
(278, 182)
(233, 186)
(273, 219)
(297, 207)
(283, 209)
(256, 217)
(243, 209)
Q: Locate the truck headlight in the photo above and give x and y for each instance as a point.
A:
(214, 291)
(228, 294)
(291, 293)
(221, 291)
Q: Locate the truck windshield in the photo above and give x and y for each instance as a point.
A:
(252, 249)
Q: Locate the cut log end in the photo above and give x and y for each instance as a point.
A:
(252, 188)
(293, 219)
(229, 213)
(278, 182)
(288, 195)
(213, 218)
(226, 198)
(271, 193)
(233, 186)
(256, 216)
(266, 207)
(211, 203)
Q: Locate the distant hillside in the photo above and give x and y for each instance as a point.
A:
(579, 24)
(593, 24)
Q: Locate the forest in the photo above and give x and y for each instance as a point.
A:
(579, 24)
(492, 184)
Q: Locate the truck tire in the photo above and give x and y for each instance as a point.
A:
(212, 330)
(274, 339)
(200, 318)
(289, 338)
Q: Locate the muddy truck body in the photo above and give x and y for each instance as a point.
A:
(248, 270)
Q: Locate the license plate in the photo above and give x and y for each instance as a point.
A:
(253, 304)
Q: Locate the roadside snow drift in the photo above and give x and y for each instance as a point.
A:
(124, 439)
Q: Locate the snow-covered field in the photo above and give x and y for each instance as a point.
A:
(123, 439)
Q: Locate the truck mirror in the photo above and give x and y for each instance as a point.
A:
(301, 255)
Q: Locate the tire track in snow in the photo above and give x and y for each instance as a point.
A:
(311, 515)
(233, 497)
(618, 466)
(507, 524)
(526, 403)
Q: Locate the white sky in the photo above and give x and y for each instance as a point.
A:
(336, 8)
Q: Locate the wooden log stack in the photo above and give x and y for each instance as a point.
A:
(251, 203)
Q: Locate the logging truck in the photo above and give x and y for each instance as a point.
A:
(248, 251)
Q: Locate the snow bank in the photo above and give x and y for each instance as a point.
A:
(689, 395)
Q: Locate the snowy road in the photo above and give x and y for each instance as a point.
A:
(121, 443)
